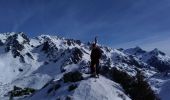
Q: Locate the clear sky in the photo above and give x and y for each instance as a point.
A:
(117, 23)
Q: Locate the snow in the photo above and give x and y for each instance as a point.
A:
(35, 81)
(101, 89)
(43, 67)
(161, 85)
(72, 67)
(51, 69)
(3, 37)
(20, 39)
(165, 91)
(6, 66)
(88, 89)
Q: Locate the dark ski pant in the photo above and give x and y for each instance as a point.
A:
(95, 63)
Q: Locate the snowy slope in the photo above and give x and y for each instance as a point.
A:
(160, 84)
(164, 92)
(154, 58)
(33, 62)
(88, 89)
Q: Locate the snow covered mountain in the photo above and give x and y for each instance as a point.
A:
(41, 64)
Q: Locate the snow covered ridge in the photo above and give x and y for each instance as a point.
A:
(87, 89)
(33, 62)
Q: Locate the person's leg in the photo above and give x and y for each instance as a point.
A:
(92, 67)
(97, 68)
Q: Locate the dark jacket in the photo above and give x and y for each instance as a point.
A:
(96, 54)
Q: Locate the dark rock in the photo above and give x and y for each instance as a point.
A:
(50, 49)
(139, 50)
(46, 63)
(46, 47)
(7, 49)
(72, 76)
(20, 69)
(78, 42)
(15, 53)
(53, 88)
(159, 64)
(72, 87)
(68, 98)
(22, 59)
(17, 91)
(69, 42)
(136, 87)
(29, 55)
(13, 43)
(1, 43)
(26, 39)
(120, 49)
(50, 90)
(16, 88)
(57, 86)
(77, 55)
(104, 70)
(72, 42)
(156, 52)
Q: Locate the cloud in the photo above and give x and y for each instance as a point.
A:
(119, 24)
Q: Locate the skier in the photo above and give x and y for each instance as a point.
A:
(95, 57)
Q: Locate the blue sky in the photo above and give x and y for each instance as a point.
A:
(117, 23)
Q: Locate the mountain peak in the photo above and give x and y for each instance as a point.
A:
(138, 48)
(135, 51)
(156, 52)
(36, 61)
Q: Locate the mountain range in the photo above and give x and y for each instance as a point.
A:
(56, 68)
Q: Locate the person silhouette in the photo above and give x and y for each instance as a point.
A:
(95, 58)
